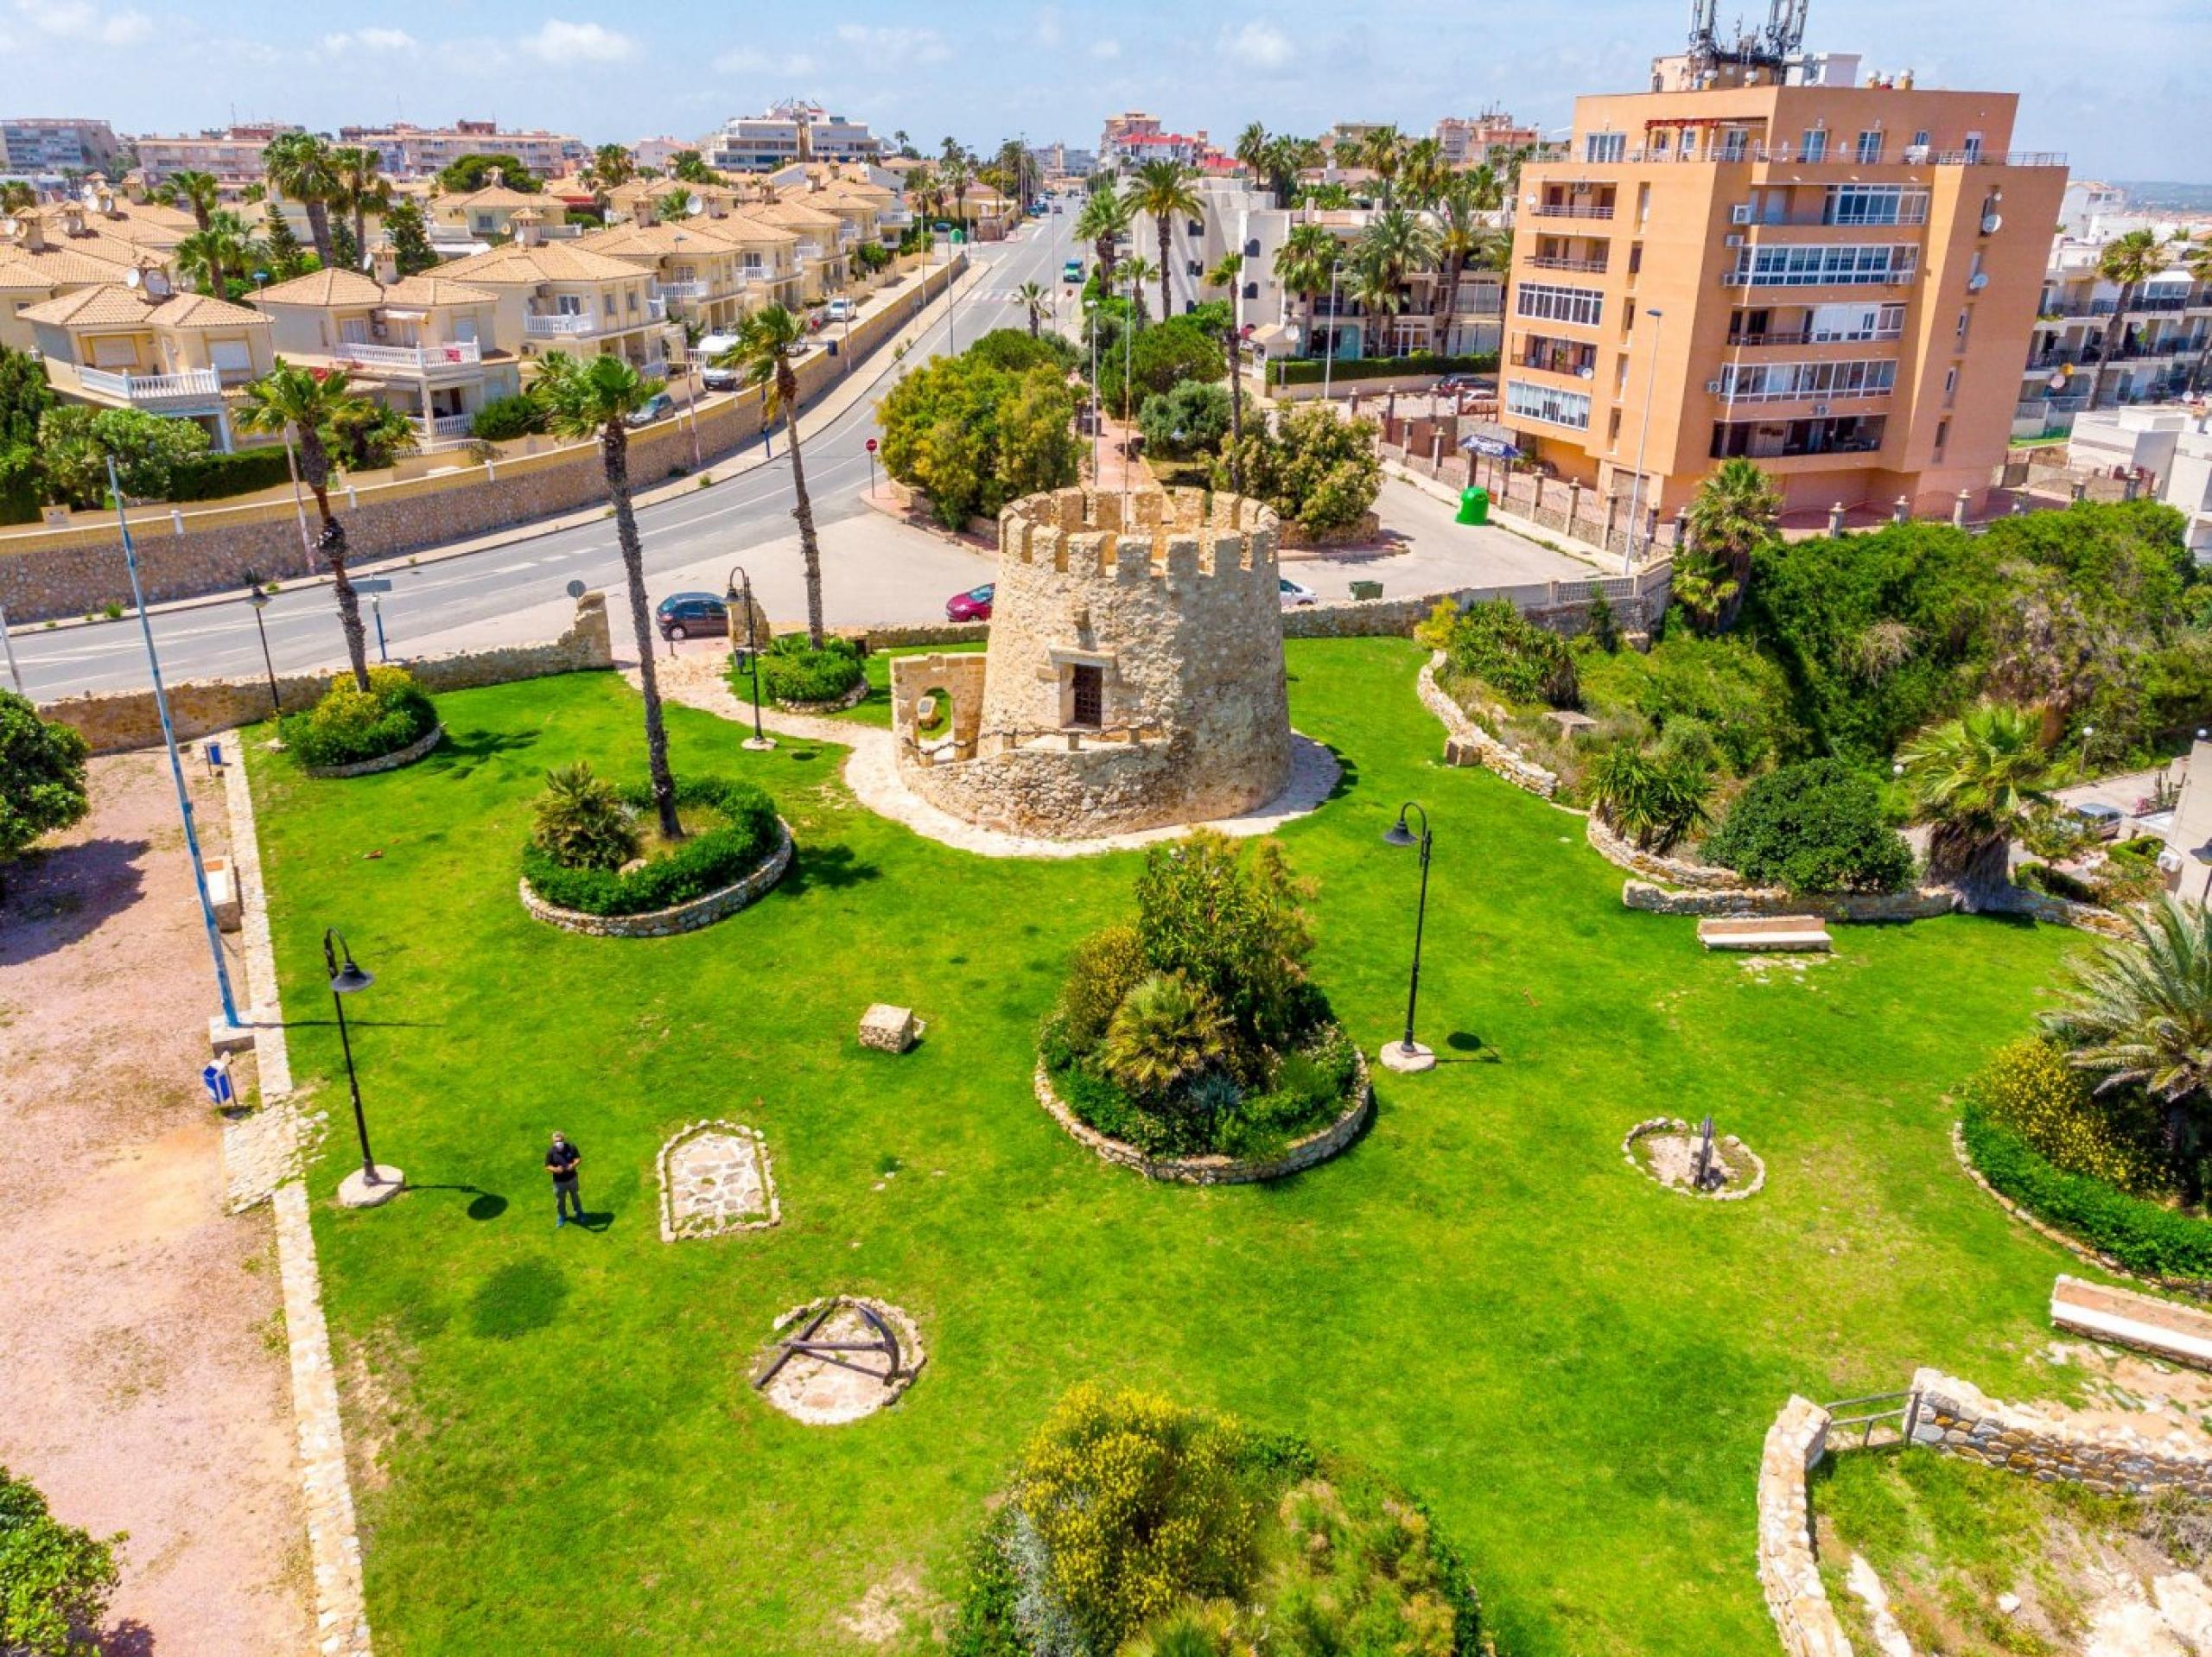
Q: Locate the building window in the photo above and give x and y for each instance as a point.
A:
(1548, 302)
(1086, 695)
(1773, 439)
(1950, 385)
(1603, 146)
(1844, 264)
(1543, 402)
(1942, 436)
(1974, 146)
(1874, 204)
(1815, 144)
(1251, 290)
(1869, 146)
(1965, 317)
(1786, 382)
(1252, 247)
(1614, 429)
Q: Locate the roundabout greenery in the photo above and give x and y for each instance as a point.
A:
(791, 671)
(350, 727)
(584, 851)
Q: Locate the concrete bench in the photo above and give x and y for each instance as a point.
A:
(1766, 933)
(223, 894)
(2163, 1327)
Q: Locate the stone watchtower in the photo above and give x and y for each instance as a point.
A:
(1134, 675)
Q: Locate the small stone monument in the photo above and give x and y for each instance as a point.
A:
(889, 1029)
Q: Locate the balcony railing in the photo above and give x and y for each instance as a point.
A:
(441, 429)
(1571, 210)
(1558, 262)
(153, 391)
(684, 289)
(1792, 394)
(809, 250)
(1847, 155)
(560, 325)
(1808, 337)
(457, 354)
(657, 308)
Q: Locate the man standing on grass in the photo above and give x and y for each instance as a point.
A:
(562, 1161)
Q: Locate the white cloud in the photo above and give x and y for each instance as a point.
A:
(888, 47)
(79, 20)
(1259, 45)
(752, 61)
(566, 42)
(1107, 48)
(369, 40)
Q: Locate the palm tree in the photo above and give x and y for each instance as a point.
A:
(1382, 152)
(15, 195)
(1165, 190)
(1135, 272)
(1104, 218)
(298, 164)
(611, 166)
(197, 191)
(2129, 260)
(1228, 274)
(959, 177)
(361, 185)
(1252, 150)
(1035, 298)
(1462, 238)
(1731, 518)
(595, 398)
(2139, 1011)
(1977, 781)
(1424, 172)
(767, 342)
(1304, 264)
(211, 255)
(1395, 244)
(305, 406)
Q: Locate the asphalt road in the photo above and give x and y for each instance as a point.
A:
(482, 595)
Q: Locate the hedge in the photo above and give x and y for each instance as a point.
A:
(791, 671)
(1310, 371)
(2142, 1236)
(703, 863)
(213, 477)
(348, 727)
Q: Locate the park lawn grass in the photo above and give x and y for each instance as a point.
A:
(555, 1441)
(875, 708)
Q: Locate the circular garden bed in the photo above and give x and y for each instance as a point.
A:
(800, 679)
(1665, 1151)
(356, 733)
(735, 847)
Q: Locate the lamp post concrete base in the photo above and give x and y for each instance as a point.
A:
(1407, 1060)
(356, 1191)
(757, 743)
(223, 1037)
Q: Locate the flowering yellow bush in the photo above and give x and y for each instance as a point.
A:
(2030, 1087)
(1141, 1505)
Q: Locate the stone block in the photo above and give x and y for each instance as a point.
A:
(223, 894)
(889, 1029)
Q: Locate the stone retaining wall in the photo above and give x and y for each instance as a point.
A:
(1857, 907)
(1790, 1572)
(112, 722)
(397, 759)
(2047, 1442)
(49, 574)
(1467, 743)
(1314, 1149)
(852, 698)
(667, 923)
(894, 637)
(1619, 850)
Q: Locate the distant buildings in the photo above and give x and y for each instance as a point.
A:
(1131, 139)
(41, 145)
(1483, 140)
(789, 132)
(2152, 350)
(408, 152)
(660, 153)
(233, 153)
(2170, 446)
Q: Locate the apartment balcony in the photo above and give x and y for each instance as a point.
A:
(560, 325)
(1855, 394)
(810, 252)
(657, 308)
(1808, 337)
(411, 359)
(1846, 154)
(441, 430)
(199, 389)
(1571, 210)
(895, 218)
(1559, 261)
(685, 290)
(1799, 279)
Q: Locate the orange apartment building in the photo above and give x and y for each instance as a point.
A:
(1836, 280)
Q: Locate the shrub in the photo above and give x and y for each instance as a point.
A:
(1138, 1504)
(1190, 419)
(213, 477)
(506, 417)
(1817, 826)
(1739, 694)
(41, 777)
(1104, 967)
(1315, 470)
(2141, 1235)
(349, 724)
(702, 862)
(791, 671)
(2031, 1088)
(581, 822)
(1654, 799)
(1166, 1032)
(1493, 642)
(972, 435)
(75, 443)
(1017, 350)
(1229, 921)
(54, 1579)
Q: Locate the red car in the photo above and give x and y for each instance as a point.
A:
(975, 605)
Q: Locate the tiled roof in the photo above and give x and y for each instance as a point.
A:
(108, 306)
(547, 261)
(331, 287)
(54, 267)
(204, 311)
(428, 290)
(492, 195)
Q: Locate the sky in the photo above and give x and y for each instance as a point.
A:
(2118, 84)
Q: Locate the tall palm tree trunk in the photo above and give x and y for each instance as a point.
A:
(360, 228)
(810, 548)
(1235, 405)
(1166, 255)
(315, 472)
(318, 213)
(1979, 869)
(2115, 338)
(614, 452)
(1452, 268)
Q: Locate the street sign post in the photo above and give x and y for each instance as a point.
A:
(871, 467)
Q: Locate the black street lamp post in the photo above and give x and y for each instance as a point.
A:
(741, 595)
(258, 596)
(374, 1183)
(1407, 1054)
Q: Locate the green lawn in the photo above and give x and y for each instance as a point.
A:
(1480, 1299)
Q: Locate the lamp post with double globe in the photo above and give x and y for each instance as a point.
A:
(374, 1183)
(1406, 1055)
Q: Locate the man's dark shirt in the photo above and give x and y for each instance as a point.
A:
(561, 1162)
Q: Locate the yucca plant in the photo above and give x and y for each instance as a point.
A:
(1977, 781)
(1167, 1030)
(581, 822)
(1654, 799)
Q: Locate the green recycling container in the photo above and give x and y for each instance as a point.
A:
(1474, 506)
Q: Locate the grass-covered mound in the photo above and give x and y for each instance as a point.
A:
(1137, 1526)
(1197, 1031)
(350, 726)
(595, 849)
(791, 671)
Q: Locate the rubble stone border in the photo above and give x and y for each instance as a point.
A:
(912, 1358)
(397, 759)
(1790, 1572)
(681, 917)
(2050, 1444)
(1467, 743)
(1675, 1124)
(1314, 1149)
(852, 698)
(672, 1228)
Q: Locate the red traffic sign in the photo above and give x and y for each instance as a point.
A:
(871, 446)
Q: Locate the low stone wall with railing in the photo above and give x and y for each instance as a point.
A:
(2045, 1441)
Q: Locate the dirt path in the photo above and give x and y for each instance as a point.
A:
(144, 1386)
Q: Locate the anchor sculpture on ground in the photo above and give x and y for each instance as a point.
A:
(886, 1341)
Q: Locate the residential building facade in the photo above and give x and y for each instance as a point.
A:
(1833, 280)
(2085, 346)
(2170, 446)
(408, 152)
(789, 132)
(234, 154)
(39, 144)
(1483, 140)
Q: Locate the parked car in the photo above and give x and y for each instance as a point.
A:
(720, 380)
(1296, 594)
(691, 615)
(2098, 820)
(1464, 383)
(1071, 272)
(659, 406)
(839, 310)
(974, 605)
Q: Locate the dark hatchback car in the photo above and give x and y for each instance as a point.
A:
(691, 615)
(974, 605)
